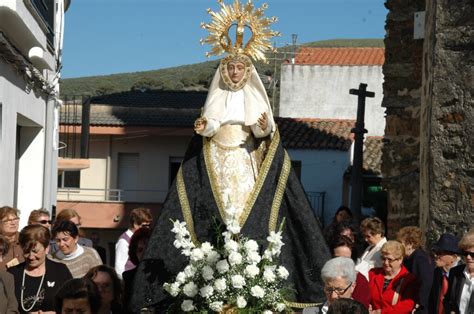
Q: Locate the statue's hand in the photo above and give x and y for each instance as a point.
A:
(200, 124)
(263, 121)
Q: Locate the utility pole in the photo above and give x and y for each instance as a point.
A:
(358, 130)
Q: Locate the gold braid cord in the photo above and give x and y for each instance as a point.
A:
(245, 17)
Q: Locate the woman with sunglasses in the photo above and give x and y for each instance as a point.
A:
(393, 290)
(40, 217)
(9, 223)
(459, 297)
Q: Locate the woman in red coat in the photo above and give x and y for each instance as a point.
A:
(392, 288)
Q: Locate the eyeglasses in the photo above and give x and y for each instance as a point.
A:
(44, 222)
(390, 260)
(13, 220)
(339, 291)
(466, 254)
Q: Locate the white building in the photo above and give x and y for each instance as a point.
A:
(31, 35)
(317, 85)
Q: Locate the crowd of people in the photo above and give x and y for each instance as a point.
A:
(51, 267)
(396, 275)
(48, 267)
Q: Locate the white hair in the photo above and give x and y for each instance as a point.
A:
(339, 267)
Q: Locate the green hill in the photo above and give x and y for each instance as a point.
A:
(187, 77)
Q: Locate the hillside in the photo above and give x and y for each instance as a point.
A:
(186, 77)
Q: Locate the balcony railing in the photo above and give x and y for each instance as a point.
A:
(316, 199)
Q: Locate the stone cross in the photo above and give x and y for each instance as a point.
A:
(358, 130)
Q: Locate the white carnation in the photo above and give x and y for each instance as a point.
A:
(254, 257)
(269, 275)
(231, 246)
(283, 272)
(241, 302)
(190, 271)
(251, 270)
(213, 257)
(233, 227)
(267, 312)
(280, 307)
(197, 255)
(187, 305)
(190, 289)
(268, 255)
(207, 273)
(220, 284)
(206, 291)
(222, 266)
(238, 281)
(181, 277)
(251, 246)
(172, 289)
(216, 306)
(257, 291)
(235, 258)
(206, 248)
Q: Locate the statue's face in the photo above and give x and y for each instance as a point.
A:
(236, 71)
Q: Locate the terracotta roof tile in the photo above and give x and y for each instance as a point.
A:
(340, 56)
(372, 163)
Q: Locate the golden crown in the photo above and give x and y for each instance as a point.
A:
(243, 17)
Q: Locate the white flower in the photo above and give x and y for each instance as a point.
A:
(207, 273)
(216, 306)
(235, 258)
(197, 255)
(254, 257)
(172, 289)
(231, 246)
(267, 312)
(257, 291)
(238, 281)
(269, 275)
(206, 248)
(230, 211)
(283, 272)
(213, 257)
(206, 291)
(222, 266)
(190, 289)
(190, 271)
(268, 255)
(177, 244)
(241, 302)
(280, 307)
(187, 305)
(179, 228)
(233, 227)
(275, 238)
(251, 246)
(181, 277)
(251, 270)
(220, 284)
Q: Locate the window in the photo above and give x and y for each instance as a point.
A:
(296, 165)
(69, 179)
(174, 164)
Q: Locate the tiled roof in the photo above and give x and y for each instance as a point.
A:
(340, 56)
(372, 162)
(315, 133)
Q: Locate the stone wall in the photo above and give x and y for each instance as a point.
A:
(402, 100)
(447, 119)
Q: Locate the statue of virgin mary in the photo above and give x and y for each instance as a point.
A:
(236, 159)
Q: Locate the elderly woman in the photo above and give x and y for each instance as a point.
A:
(373, 231)
(37, 279)
(393, 289)
(446, 256)
(77, 258)
(343, 247)
(339, 277)
(417, 262)
(110, 288)
(459, 297)
(78, 295)
(8, 303)
(9, 222)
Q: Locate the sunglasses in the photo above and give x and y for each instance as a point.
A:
(44, 222)
(466, 254)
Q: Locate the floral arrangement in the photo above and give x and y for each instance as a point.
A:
(235, 276)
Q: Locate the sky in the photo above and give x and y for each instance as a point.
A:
(104, 37)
